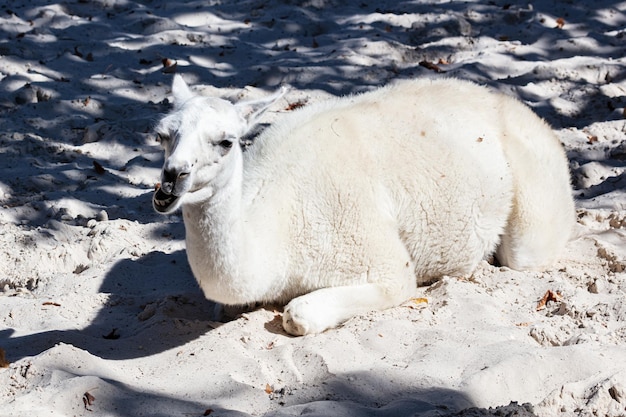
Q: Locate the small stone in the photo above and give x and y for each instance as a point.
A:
(148, 311)
(598, 286)
(102, 216)
(26, 94)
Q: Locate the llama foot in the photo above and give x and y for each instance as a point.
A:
(329, 307)
(303, 317)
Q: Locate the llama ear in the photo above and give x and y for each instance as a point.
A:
(180, 90)
(251, 110)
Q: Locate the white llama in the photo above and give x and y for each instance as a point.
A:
(343, 207)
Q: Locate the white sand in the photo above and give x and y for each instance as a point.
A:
(83, 255)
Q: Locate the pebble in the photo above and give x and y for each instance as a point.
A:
(102, 216)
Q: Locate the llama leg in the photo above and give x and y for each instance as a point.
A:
(328, 307)
(536, 235)
(542, 217)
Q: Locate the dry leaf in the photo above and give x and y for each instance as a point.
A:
(592, 139)
(169, 65)
(99, 168)
(88, 400)
(171, 69)
(268, 389)
(560, 22)
(80, 268)
(413, 303)
(296, 105)
(3, 361)
(431, 66)
(50, 303)
(547, 297)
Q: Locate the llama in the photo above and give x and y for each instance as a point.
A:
(344, 206)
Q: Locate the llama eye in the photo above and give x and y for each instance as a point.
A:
(226, 144)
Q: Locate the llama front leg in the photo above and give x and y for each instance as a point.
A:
(329, 307)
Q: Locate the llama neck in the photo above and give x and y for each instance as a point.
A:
(213, 225)
(228, 261)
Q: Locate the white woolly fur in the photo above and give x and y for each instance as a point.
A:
(345, 206)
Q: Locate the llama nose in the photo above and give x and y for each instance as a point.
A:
(169, 179)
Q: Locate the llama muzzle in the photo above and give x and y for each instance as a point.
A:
(162, 201)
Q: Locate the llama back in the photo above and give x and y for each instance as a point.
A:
(388, 163)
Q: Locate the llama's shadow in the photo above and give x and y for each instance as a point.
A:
(154, 304)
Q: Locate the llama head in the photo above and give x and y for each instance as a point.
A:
(200, 138)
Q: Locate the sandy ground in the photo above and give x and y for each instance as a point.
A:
(99, 312)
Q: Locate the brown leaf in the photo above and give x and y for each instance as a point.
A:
(3, 362)
(547, 297)
(169, 65)
(51, 303)
(431, 66)
(88, 400)
(560, 22)
(296, 105)
(171, 69)
(80, 269)
(99, 168)
(268, 389)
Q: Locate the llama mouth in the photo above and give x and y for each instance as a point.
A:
(162, 201)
